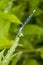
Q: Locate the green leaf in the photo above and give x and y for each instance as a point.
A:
(30, 62)
(5, 22)
(10, 17)
(33, 36)
(5, 43)
(19, 11)
(3, 4)
(32, 29)
(41, 52)
(4, 28)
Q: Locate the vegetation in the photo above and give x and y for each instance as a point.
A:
(21, 47)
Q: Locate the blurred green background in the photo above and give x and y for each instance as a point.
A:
(13, 13)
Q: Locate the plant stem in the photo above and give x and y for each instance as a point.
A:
(10, 51)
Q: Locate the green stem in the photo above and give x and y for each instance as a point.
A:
(10, 51)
